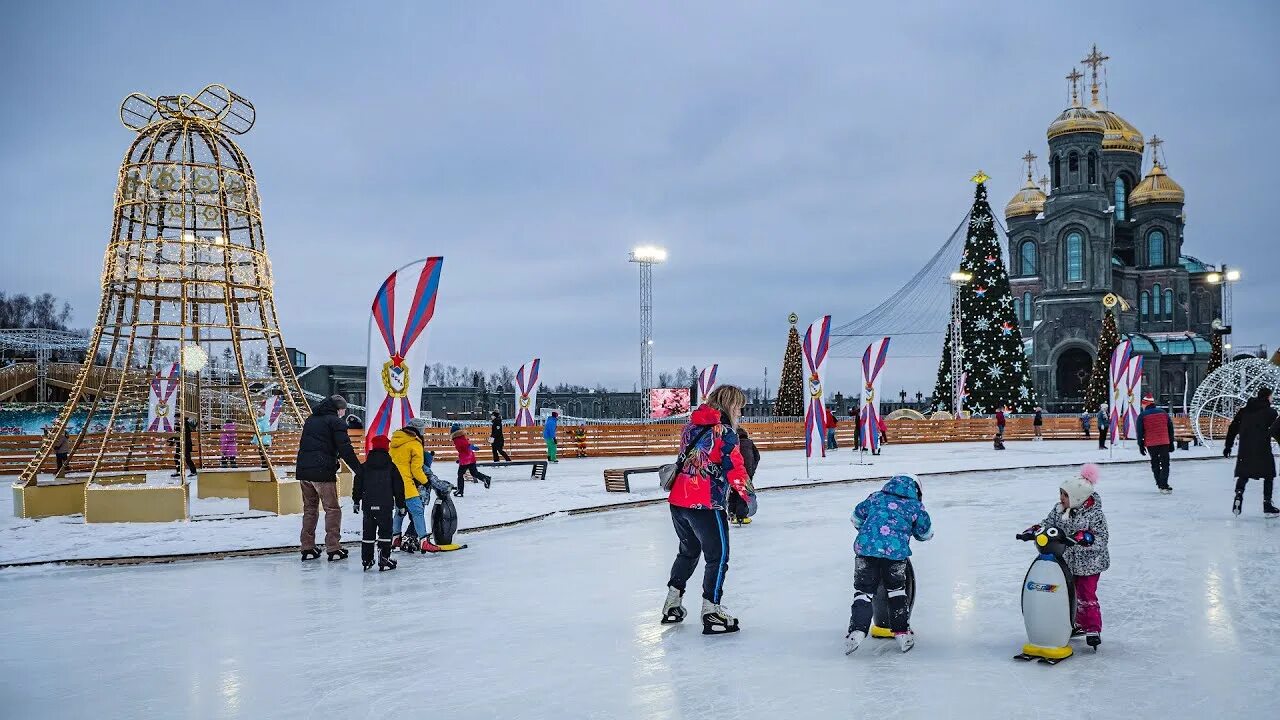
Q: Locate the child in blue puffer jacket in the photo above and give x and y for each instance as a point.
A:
(886, 522)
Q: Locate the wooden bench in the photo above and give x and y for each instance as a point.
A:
(619, 479)
(538, 472)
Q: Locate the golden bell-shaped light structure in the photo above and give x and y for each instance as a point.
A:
(186, 296)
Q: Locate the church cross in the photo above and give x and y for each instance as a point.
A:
(1029, 158)
(1154, 143)
(1074, 76)
(1094, 60)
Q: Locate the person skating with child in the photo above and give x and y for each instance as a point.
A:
(1255, 425)
(377, 491)
(1078, 514)
(408, 453)
(886, 521)
(466, 460)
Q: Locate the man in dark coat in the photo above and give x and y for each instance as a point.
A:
(496, 439)
(324, 440)
(1256, 424)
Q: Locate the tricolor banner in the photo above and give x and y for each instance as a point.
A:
(1133, 399)
(527, 393)
(162, 400)
(816, 341)
(1119, 392)
(706, 382)
(869, 418)
(402, 311)
(271, 409)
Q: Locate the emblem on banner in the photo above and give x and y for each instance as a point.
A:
(815, 385)
(524, 401)
(395, 378)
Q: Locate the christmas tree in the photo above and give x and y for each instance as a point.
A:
(790, 402)
(1215, 353)
(1099, 390)
(992, 352)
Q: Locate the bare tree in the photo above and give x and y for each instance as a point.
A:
(682, 378)
(664, 379)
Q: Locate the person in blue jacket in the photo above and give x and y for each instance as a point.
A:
(886, 521)
(549, 434)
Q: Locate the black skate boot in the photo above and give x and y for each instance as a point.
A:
(339, 554)
(716, 620)
(1237, 504)
(1093, 640)
(311, 554)
(367, 564)
(409, 543)
(386, 563)
(1269, 510)
(486, 479)
(1077, 631)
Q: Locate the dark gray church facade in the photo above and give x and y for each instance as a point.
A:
(1105, 226)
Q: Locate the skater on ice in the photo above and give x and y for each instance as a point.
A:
(1256, 424)
(1155, 439)
(710, 467)
(323, 442)
(497, 441)
(1104, 425)
(1078, 514)
(376, 492)
(549, 435)
(1037, 422)
(750, 461)
(408, 455)
(830, 421)
(466, 460)
(886, 522)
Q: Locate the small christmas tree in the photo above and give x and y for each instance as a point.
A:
(790, 402)
(1215, 353)
(993, 354)
(1099, 390)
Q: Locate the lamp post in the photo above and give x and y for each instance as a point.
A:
(957, 280)
(1225, 279)
(646, 256)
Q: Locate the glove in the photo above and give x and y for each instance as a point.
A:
(1083, 537)
(1226, 452)
(1142, 450)
(355, 504)
(474, 447)
(751, 504)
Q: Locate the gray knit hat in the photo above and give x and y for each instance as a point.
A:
(418, 424)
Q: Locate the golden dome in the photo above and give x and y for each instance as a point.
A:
(1027, 201)
(1157, 187)
(1075, 119)
(1120, 133)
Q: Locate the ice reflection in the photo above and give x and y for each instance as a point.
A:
(229, 687)
(652, 693)
(1220, 626)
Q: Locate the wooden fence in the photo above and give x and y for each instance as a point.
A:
(151, 451)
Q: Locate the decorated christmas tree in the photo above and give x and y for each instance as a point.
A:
(1099, 390)
(992, 351)
(1215, 353)
(790, 402)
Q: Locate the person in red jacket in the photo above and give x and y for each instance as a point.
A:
(830, 421)
(712, 468)
(466, 460)
(1155, 439)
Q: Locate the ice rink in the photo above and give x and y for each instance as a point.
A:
(558, 619)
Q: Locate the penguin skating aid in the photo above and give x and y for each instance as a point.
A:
(880, 623)
(1048, 598)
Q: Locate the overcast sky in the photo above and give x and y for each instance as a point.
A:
(805, 157)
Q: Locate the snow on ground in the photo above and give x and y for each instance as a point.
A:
(559, 620)
(228, 524)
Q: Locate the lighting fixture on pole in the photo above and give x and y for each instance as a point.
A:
(1225, 279)
(646, 256)
(957, 280)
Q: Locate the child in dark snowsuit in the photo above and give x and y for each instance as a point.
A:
(750, 461)
(886, 521)
(380, 488)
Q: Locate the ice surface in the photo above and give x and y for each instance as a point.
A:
(558, 619)
(228, 524)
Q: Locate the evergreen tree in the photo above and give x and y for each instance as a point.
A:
(1099, 390)
(993, 355)
(1215, 353)
(790, 401)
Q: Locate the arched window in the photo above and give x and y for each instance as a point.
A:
(1144, 305)
(1027, 255)
(1122, 198)
(1017, 310)
(1155, 248)
(1156, 297)
(1075, 257)
(1028, 306)
(1057, 171)
(1073, 167)
(1168, 304)
(1093, 168)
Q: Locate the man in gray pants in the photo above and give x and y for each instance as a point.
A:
(324, 440)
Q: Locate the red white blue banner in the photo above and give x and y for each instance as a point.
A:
(869, 416)
(816, 342)
(527, 393)
(401, 313)
(1119, 391)
(1133, 398)
(271, 409)
(707, 381)
(162, 400)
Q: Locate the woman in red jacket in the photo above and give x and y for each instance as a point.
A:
(712, 469)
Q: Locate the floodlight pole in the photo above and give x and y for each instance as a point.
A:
(646, 258)
(957, 280)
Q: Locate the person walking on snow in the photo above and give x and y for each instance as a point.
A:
(323, 442)
(466, 461)
(380, 488)
(407, 453)
(549, 434)
(1155, 439)
(496, 440)
(998, 443)
(711, 468)
(1256, 424)
(886, 522)
(1104, 425)
(830, 421)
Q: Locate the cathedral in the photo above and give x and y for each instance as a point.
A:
(1106, 227)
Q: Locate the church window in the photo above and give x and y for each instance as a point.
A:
(1027, 307)
(1017, 310)
(1156, 297)
(1057, 171)
(1093, 168)
(1168, 304)
(1144, 305)
(1073, 167)
(1027, 255)
(1075, 257)
(1122, 198)
(1155, 248)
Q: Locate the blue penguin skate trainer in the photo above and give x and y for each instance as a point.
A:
(1048, 598)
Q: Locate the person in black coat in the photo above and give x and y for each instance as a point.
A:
(1256, 424)
(496, 439)
(379, 487)
(324, 440)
